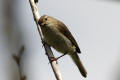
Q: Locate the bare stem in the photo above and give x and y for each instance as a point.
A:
(17, 58)
(46, 47)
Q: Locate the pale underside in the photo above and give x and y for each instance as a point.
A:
(57, 40)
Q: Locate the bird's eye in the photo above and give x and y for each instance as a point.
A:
(46, 19)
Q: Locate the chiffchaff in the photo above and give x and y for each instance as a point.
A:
(57, 35)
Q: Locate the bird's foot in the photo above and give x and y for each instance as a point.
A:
(43, 43)
(55, 59)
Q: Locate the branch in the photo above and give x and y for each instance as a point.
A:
(17, 58)
(46, 47)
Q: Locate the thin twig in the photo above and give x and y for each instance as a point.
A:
(17, 58)
(46, 47)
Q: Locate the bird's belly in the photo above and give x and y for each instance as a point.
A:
(59, 42)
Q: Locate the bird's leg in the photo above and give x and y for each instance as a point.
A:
(61, 56)
(55, 59)
(43, 43)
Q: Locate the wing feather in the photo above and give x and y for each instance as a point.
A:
(64, 30)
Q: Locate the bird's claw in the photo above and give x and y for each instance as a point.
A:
(53, 59)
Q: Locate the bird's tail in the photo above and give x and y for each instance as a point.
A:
(79, 64)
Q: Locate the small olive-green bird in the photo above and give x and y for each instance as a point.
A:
(57, 35)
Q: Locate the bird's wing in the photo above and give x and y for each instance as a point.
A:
(64, 30)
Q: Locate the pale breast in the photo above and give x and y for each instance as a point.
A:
(58, 41)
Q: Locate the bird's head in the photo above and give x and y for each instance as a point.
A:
(46, 20)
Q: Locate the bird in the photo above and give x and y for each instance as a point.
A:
(57, 35)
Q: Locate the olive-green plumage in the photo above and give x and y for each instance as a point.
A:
(57, 35)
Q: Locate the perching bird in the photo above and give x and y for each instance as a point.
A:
(57, 35)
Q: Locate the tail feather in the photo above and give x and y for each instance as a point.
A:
(79, 64)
